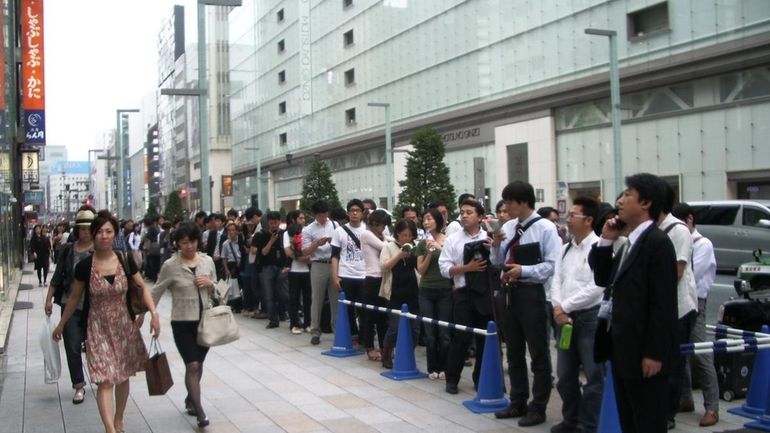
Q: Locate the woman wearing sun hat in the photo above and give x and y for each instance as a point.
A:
(59, 290)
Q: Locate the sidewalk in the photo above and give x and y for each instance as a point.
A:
(268, 381)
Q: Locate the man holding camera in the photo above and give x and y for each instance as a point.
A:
(272, 278)
(527, 251)
(464, 258)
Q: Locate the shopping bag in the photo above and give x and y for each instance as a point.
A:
(156, 370)
(235, 290)
(221, 290)
(51, 357)
(217, 326)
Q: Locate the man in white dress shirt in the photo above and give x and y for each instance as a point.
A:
(576, 298)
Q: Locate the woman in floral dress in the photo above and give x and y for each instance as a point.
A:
(116, 350)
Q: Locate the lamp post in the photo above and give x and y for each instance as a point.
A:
(90, 169)
(388, 152)
(121, 160)
(614, 102)
(259, 175)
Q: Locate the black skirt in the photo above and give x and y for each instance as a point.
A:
(186, 339)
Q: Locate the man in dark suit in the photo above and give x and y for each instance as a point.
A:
(638, 321)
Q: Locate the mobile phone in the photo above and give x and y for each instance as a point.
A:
(620, 225)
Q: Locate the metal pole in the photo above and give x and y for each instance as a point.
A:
(119, 151)
(388, 158)
(259, 179)
(615, 102)
(205, 185)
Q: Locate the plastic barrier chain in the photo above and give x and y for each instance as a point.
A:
(414, 316)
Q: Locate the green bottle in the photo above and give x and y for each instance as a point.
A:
(566, 336)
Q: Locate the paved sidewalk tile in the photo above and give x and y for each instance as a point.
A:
(268, 381)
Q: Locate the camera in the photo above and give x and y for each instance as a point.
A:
(407, 247)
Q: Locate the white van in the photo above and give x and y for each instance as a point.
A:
(735, 227)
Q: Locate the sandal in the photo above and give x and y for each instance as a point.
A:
(373, 355)
(80, 395)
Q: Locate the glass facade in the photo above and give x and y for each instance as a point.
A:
(301, 84)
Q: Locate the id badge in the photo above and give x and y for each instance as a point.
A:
(605, 310)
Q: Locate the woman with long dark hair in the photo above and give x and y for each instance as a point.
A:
(299, 273)
(189, 275)
(40, 245)
(115, 349)
(399, 272)
(435, 297)
(373, 240)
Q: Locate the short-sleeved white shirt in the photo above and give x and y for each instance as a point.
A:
(352, 263)
(680, 236)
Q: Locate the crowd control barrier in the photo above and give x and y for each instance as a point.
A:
(490, 396)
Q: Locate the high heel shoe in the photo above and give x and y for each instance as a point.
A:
(203, 422)
(189, 408)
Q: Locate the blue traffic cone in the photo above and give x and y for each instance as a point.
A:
(490, 396)
(609, 422)
(405, 367)
(763, 422)
(343, 343)
(756, 399)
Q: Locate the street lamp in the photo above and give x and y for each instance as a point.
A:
(259, 175)
(388, 151)
(121, 161)
(202, 92)
(614, 102)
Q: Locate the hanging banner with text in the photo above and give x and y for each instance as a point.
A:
(33, 71)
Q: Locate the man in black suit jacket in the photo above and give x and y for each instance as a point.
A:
(642, 320)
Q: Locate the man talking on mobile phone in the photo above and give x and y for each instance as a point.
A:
(637, 325)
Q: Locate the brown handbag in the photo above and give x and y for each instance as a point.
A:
(135, 292)
(157, 371)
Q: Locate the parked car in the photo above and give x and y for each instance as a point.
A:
(735, 227)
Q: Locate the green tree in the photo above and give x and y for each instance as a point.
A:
(152, 210)
(317, 185)
(174, 208)
(427, 176)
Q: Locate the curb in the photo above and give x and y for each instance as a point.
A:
(6, 307)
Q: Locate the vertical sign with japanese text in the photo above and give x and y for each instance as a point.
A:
(2, 85)
(33, 71)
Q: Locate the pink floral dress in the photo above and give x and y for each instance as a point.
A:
(116, 350)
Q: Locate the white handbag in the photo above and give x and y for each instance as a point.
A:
(217, 327)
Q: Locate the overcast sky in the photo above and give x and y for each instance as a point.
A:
(100, 55)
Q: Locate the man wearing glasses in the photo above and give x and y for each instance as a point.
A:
(576, 299)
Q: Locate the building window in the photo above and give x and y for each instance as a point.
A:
(347, 38)
(347, 3)
(283, 139)
(282, 77)
(647, 21)
(281, 45)
(279, 15)
(282, 107)
(350, 77)
(350, 116)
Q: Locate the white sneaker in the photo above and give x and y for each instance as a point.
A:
(442, 375)
(296, 330)
(433, 375)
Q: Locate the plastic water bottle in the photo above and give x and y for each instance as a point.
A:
(566, 336)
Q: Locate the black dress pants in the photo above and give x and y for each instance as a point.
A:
(465, 313)
(642, 403)
(525, 326)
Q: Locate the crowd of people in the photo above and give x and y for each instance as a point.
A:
(628, 279)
